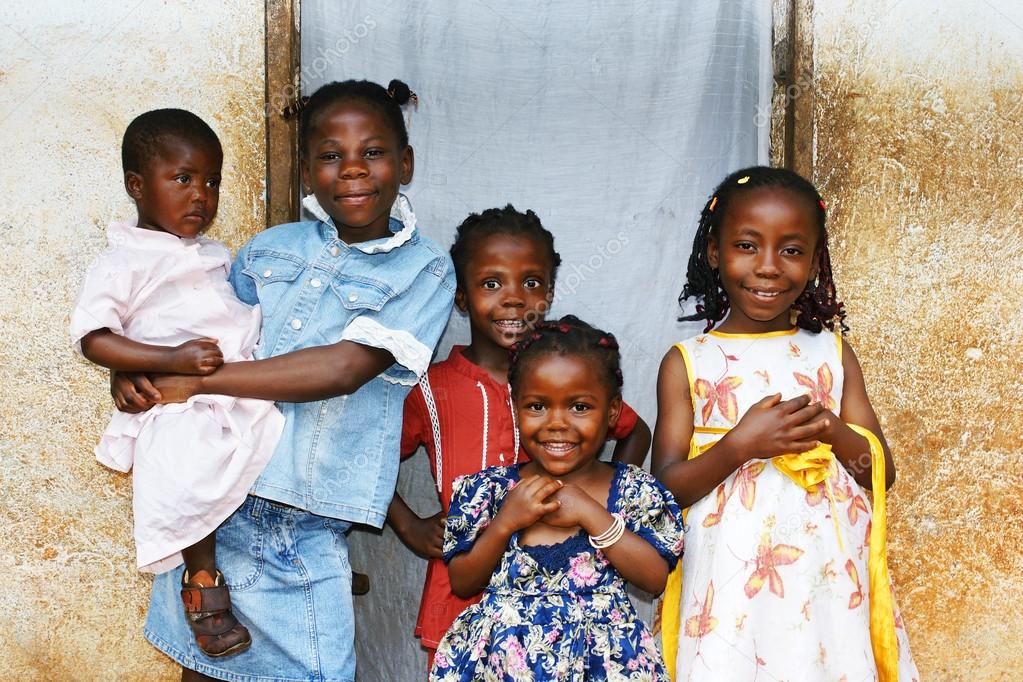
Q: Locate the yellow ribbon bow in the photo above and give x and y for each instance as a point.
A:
(807, 470)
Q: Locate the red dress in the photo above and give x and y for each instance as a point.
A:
(473, 415)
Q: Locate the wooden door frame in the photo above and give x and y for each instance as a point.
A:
(283, 87)
(793, 100)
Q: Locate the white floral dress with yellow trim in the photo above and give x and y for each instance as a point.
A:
(774, 578)
(555, 612)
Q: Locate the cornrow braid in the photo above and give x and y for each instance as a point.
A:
(568, 336)
(816, 308)
(389, 100)
(493, 221)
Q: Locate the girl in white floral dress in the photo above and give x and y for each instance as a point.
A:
(552, 542)
(764, 427)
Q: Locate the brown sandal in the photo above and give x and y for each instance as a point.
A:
(208, 610)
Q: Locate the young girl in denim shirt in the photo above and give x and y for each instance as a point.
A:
(352, 309)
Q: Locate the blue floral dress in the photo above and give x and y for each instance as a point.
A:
(555, 612)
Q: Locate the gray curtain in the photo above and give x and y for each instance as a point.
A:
(613, 121)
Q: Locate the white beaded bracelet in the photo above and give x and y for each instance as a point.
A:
(610, 536)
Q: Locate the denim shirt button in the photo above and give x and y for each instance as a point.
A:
(353, 297)
(296, 324)
(334, 251)
(315, 282)
(267, 273)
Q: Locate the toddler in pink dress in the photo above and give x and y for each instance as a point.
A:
(158, 300)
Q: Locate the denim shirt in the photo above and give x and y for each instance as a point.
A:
(339, 457)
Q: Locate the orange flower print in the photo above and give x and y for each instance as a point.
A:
(857, 505)
(703, 624)
(820, 390)
(856, 598)
(720, 394)
(768, 558)
(746, 484)
(714, 518)
(794, 351)
(762, 373)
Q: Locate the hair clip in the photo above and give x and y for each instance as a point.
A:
(563, 328)
(824, 206)
(294, 107)
(743, 180)
(412, 96)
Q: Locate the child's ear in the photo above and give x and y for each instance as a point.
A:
(408, 165)
(460, 301)
(712, 252)
(815, 266)
(133, 184)
(614, 411)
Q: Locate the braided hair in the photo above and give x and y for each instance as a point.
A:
(816, 308)
(493, 221)
(389, 101)
(568, 336)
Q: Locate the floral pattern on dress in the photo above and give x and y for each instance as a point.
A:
(557, 612)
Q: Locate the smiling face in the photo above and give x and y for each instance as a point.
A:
(765, 252)
(507, 284)
(354, 165)
(564, 411)
(178, 190)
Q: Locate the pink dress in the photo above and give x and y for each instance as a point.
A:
(192, 463)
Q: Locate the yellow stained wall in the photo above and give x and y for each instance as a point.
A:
(72, 76)
(919, 131)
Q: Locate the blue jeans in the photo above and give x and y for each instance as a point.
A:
(291, 585)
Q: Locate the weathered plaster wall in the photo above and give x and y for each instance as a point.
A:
(71, 78)
(919, 131)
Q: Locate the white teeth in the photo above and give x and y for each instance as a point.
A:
(559, 446)
(511, 324)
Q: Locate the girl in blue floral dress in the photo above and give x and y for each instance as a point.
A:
(553, 541)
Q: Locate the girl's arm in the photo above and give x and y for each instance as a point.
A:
(300, 376)
(852, 449)
(425, 537)
(770, 427)
(633, 557)
(632, 448)
(105, 348)
(523, 506)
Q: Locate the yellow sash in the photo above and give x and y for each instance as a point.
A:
(807, 469)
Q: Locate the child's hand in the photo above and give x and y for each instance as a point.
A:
(576, 507)
(176, 388)
(774, 427)
(527, 503)
(132, 392)
(198, 356)
(425, 537)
